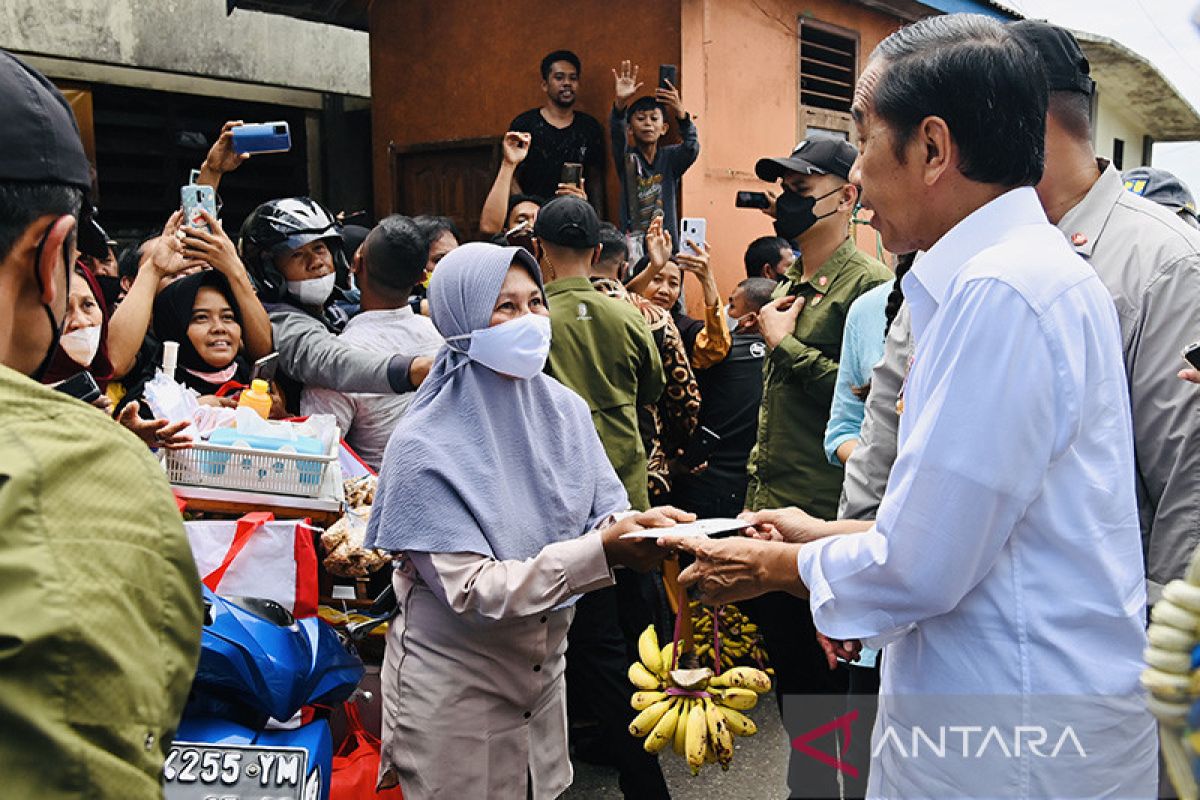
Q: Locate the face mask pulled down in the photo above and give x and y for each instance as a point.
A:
(314, 291)
(517, 348)
(794, 213)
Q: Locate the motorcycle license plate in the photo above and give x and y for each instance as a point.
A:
(195, 771)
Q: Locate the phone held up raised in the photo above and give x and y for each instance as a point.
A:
(193, 197)
(262, 137)
(692, 230)
(1191, 354)
(572, 174)
(753, 200)
(668, 76)
(81, 386)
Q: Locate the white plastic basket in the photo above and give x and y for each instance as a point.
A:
(248, 469)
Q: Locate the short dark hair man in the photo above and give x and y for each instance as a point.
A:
(768, 257)
(391, 260)
(1009, 529)
(100, 614)
(560, 135)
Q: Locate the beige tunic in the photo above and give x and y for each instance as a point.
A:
(474, 700)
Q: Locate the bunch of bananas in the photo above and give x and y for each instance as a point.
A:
(1173, 680)
(696, 712)
(740, 641)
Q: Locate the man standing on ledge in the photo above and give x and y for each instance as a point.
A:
(1004, 570)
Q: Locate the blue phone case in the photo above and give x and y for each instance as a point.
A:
(262, 137)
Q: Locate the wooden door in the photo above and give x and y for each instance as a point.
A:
(448, 179)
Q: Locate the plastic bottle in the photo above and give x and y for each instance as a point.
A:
(257, 397)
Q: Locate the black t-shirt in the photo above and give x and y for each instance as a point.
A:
(731, 392)
(581, 142)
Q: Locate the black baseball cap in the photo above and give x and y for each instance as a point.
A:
(39, 140)
(820, 155)
(568, 221)
(1067, 68)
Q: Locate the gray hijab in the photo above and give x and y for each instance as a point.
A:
(483, 463)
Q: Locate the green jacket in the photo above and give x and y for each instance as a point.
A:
(788, 464)
(100, 611)
(603, 350)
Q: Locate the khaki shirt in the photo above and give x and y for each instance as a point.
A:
(788, 464)
(1150, 262)
(100, 613)
(603, 350)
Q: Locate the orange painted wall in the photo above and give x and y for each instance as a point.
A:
(459, 69)
(741, 62)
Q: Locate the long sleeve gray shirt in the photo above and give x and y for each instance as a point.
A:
(312, 355)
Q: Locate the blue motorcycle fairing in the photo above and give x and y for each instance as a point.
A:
(273, 668)
(313, 737)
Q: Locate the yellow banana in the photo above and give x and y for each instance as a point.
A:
(644, 722)
(697, 737)
(1165, 637)
(648, 650)
(744, 678)
(1166, 612)
(734, 697)
(719, 737)
(643, 700)
(739, 723)
(1183, 594)
(664, 731)
(1168, 661)
(642, 678)
(681, 727)
(668, 655)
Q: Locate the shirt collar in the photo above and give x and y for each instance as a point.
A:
(1083, 224)
(571, 284)
(822, 279)
(928, 282)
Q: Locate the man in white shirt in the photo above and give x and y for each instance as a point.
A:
(1004, 570)
(389, 263)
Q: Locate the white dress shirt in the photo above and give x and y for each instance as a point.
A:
(1004, 572)
(367, 420)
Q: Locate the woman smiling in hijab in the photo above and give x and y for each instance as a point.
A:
(497, 494)
(200, 313)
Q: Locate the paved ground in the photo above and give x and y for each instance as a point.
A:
(759, 768)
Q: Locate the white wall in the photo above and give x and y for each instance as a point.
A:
(193, 37)
(1112, 122)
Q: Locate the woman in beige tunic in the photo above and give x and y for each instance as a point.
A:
(497, 494)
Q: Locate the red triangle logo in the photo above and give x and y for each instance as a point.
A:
(801, 743)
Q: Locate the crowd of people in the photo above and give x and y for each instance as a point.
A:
(951, 468)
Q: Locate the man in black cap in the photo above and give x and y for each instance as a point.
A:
(802, 328)
(602, 348)
(100, 608)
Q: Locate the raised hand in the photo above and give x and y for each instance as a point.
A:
(626, 84)
(658, 244)
(165, 254)
(221, 156)
(155, 432)
(516, 146)
(212, 247)
(670, 98)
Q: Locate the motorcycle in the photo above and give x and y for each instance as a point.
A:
(239, 738)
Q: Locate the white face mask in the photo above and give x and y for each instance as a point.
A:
(730, 319)
(81, 344)
(314, 291)
(517, 348)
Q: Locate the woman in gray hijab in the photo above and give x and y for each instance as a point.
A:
(497, 494)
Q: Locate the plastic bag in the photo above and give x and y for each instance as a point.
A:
(356, 764)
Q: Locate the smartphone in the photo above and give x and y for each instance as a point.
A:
(262, 137)
(668, 73)
(752, 200)
(521, 236)
(692, 229)
(81, 386)
(571, 174)
(1191, 354)
(702, 445)
(194, 197)
(264, 368)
